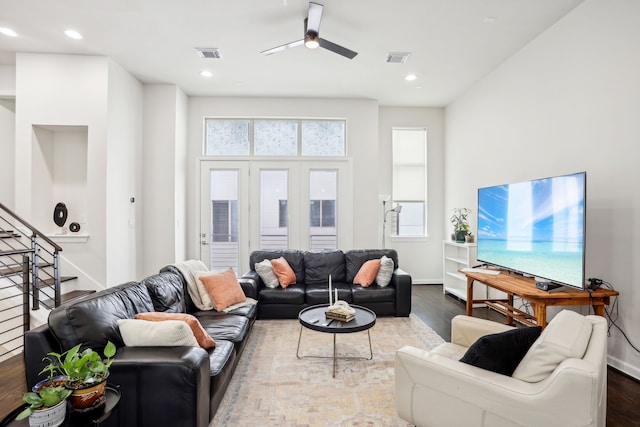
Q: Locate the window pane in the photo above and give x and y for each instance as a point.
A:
(227, 137)
(328, 213)
(273, 194)
(323, 138)
(275, 137)
(315, 213)
(411, 219)
(283, 221)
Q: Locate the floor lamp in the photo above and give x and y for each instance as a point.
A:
(397, 209)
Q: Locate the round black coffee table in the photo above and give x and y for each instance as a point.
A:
(313, 318)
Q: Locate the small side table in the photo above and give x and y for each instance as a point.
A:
(74, 418)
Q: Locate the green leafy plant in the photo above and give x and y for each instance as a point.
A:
(46, 398)
(459, 219)
(81, 367)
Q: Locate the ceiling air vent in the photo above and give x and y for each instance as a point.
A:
(397, 57)
(208, 52)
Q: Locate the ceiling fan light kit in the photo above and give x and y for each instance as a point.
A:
(312, 38)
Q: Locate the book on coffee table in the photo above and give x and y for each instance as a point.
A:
(340, 315)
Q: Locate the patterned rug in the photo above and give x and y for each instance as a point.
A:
(272, 387)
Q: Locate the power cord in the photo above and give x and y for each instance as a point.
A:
(612, 312)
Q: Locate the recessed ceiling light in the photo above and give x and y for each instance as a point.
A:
(8, 32)
(73, 34)
(410, 77)
(206, 73)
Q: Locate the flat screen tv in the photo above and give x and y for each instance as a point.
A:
(535, 228)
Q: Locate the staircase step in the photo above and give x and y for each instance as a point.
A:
(8, 234)
(10, 271)
(65, 298)
(49, 282)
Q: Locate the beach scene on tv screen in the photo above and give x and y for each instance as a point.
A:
(535, 227)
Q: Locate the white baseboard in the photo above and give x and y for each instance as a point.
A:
(426, 281)
(632, 371)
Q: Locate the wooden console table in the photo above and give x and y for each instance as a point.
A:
(515, 285)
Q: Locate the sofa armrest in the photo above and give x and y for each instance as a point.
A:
(37, 343)
(401, 280)
(162, 386)
(253, 275)
(249, 287)
(466, 330)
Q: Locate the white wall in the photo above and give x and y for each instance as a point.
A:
(421, 257)
(164, 181)
(7, 132)
(362, 140)
(567, 102)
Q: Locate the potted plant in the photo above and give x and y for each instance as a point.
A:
(460, 222)
(48, 407)
(86, 373)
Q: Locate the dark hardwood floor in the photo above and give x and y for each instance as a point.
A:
(436, 310)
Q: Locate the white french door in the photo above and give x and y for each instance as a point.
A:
(249, 205)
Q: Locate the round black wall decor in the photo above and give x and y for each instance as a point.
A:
(60, 214)
(74, 227)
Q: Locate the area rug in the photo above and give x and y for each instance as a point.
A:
(272, 387)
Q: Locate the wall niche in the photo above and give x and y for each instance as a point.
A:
(59, 174)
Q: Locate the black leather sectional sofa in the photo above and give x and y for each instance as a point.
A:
(183, 386)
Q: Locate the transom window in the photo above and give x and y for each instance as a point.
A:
(275, 137)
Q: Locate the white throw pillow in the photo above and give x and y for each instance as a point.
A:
(265, 271)
(145, 333)
(566, 336)
(385, 272)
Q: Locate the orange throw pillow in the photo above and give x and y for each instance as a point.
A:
(283, 270)
(203, 338)
(223, 288)
(367, 273)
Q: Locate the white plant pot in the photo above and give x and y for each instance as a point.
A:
(49, 417)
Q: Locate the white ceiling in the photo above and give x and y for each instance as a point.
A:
(451, 43)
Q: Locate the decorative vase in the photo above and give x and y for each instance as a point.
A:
(88, 397)
(470, 238)
(460, 236)
(49, 417)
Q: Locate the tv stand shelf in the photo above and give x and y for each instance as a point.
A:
(525, 288)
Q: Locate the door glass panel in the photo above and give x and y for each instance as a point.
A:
(224, 219)
(274, 209)
(323, 190)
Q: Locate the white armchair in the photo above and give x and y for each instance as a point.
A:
(433, 388)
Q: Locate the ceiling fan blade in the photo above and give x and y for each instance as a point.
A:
(313, 20)
(283, 47)
(336, 48)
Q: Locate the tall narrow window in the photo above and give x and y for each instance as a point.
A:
(410, 180)
(323, 189)
(274, 220)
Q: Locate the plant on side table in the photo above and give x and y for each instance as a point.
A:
(460, 222)
(86, 373)
(48, 407)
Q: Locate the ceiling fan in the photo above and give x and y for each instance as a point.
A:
(312, 36)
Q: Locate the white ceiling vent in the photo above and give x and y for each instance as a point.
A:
(208, 52)
(397, 57)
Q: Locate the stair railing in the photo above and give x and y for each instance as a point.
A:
(44, 254)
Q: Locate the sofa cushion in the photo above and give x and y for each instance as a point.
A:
(265, 271)
(166, 291)
(223, 288)
(319, 293)
(566, 336)
(356, 257)
(372, 294)
(503, 351)
(93, 320)
(367, 273)
(385, 272)
(225, 327)
(319, 265)
(294, 294)
(145, 333)
(283, 271)
(294, 257)
(203, 338)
